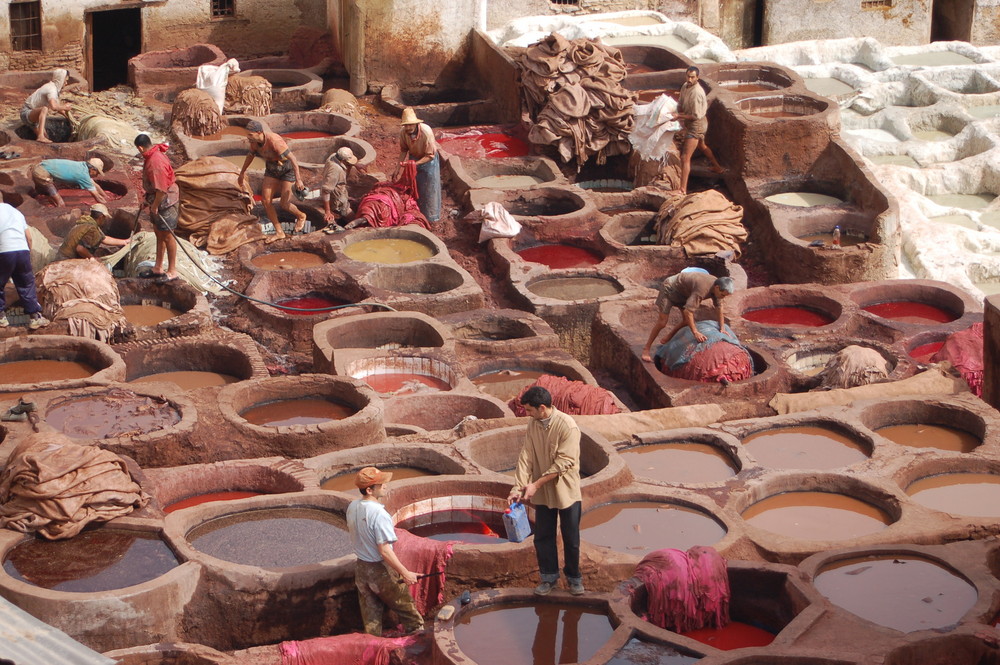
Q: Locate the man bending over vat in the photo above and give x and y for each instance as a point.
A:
(281, 170)
(692, 108)
(548, 475)
(687, 289)
(49, 174)
(87, 235)
(43, 101)
(381, 578)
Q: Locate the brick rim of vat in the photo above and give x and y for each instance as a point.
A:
(384, 455)
(114, 369)
(723, 441)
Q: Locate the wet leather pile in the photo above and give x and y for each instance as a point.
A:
(196, 113)
(575, 398)
(83, 293)
(250, 95)
(703, 223)
(214, 209)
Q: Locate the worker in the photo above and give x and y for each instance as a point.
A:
(43, 101)
(335, 173)
(687, 289)
(87, 235)
(162, 196)
(15, 265)
(380, 577)
(692, 109)
(281, 170)
(50, 174)
(416, 143)
(548, 475)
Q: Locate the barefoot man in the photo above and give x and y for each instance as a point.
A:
(692, 107)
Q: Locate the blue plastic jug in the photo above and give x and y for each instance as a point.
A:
(515, 520)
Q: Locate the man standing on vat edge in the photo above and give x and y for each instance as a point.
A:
(692, 107)
(381, 578)
(548, 475)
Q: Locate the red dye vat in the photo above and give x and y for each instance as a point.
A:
(401, 383)
(735, 635)
(560, 256)
(924, 352)
(306, 134)
(788, 316)
(911, 312)
(207, 498)
(78, 198)
(290, 305)
(476, 144)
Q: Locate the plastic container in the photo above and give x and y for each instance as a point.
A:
(515, 520)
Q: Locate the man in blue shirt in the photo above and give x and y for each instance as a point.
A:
(50, 174)
(381, 578)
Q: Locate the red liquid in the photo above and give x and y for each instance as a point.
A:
(736, 635)
(206, 498)
(924, 352)
(401, 383)
(911, 312)
(76, 198)
(485, 145)
(306, 134)
(290, 305)
(560, 256)
(788, 316)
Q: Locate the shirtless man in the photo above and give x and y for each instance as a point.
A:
(692, 107)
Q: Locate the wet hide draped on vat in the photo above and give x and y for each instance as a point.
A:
(350, 649)
(394, 203)
(854, 366)
(702, 223)
(964, 350)
(423, 556)
(83, 293)
(720, 357)
(685, 590)
(55, 487)
(214, 209)
(574, 398)
(113, 132)
(196, 113)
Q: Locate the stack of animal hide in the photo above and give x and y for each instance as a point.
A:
(83, 293)
(250, 95)
(702, 223)
(214, 209)
(196, 113)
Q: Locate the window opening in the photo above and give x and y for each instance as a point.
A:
(26, 25)
(223, 8)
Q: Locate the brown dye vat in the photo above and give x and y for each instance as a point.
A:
(506, 384)
(94, 560)
(637, 652)
(679, 462)
(257, 164)
(287, 261)
(148, 315)
(816, 516)
(776, 114)
(940, 437)
(643, 526)
(228, 131)
(574, 288)
(509, 181)
(846, 239)
(305, 411)
(482, 527)
(390, 251)
(905, 593)
(110, 415)
(972, 494)
(208, 497)
(40, 371)
(804, 199)
(747, 87)
(535, 634)
(189, 380)
(804, 447)
(405, 383)
(274, 538)
(344, 482)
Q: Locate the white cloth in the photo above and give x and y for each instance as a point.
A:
(41, 97)
(654, 129)
(213, 79)
(497, 222)
(13, 227)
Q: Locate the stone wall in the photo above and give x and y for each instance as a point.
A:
(986, 23)
(894, 22)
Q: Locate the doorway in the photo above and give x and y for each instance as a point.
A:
(115, 36)
(951, 20)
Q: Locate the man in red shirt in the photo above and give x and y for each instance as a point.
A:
(162, 196)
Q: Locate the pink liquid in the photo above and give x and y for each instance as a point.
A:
(560, 256)
(306, 134)
(207, 498)
(290, 305)
(401, 383)
(485, 145)
(911, 312)
(788, 316)
(736, 635)
(924, 352)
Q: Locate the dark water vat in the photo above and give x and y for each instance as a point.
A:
(110, 415)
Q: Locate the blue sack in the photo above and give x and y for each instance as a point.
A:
(515, 520)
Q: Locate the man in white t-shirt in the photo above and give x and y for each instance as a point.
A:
(15, 264)
(43, 101)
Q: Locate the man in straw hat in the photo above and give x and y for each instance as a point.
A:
(87, 236)
(39, 103)
(338, 167)
(416, 142)
(382, 580)
(51, 174)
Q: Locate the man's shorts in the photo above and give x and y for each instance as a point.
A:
(165, 219)
(43, 180)
(280, 170)
(26, 117)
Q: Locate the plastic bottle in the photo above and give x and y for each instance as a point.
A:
(836, 236)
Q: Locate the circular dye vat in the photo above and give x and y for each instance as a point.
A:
(637, 652)
(816, 516)
(92, 561)
(776, 114)
(827, 86)
(932, 59)
(679, 462)
(344, 482)
(984, 111)
(925, 352)
(846, 239)
(480, 145)
(305, 411)
(905, 593)
(190, 379)
(511, 181)
(307, 134)
(574, 288)
(302, 306)
(896, 160)
(208, 497)
(256, 164)
(532, 634)
(506, 384)
(940, 437)
(561, 256)
(391, 251)
(733, 86)
(788, 316)
(287, 261)
(148, 315)
(906, 311)
(804, 199)
(804, 447)
(111, 414)
(41, 371)
(932, 135)
(734, 635)
(643, 526)
(967, 201)
(80, 198)
(228, 131)
(404, 383)
(972, 494)
(274, 538)
(464, 526)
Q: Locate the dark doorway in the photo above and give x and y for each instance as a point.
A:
(115, 36)
(951, 20)
(757, 33)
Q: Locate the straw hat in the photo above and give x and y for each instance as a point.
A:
(96, 164)
(100, 209)
(409, 117)
(346, 155)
